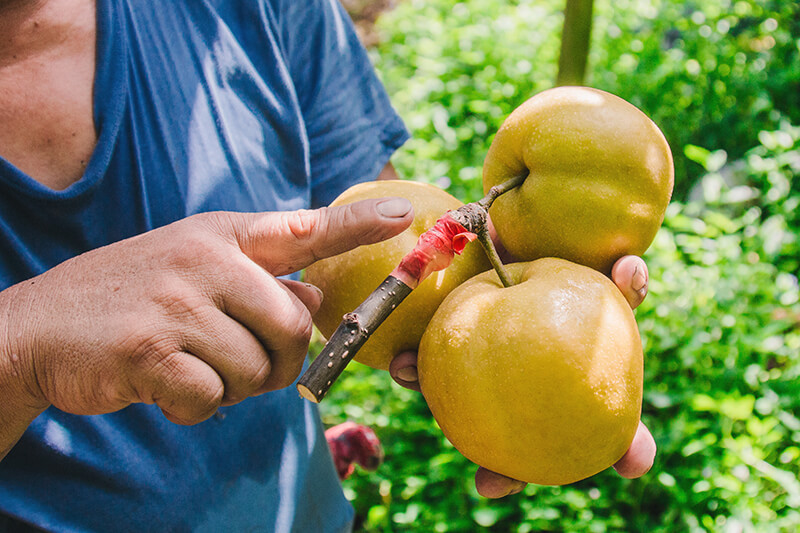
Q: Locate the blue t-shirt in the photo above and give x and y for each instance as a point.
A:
(239, 105)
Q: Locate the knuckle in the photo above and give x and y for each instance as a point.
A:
(305, 229)
(187, 394)
(151, 352)
(348, 217)
(194, 410)
(204, 403)
(181, 304)
(260, 376)
(303, 224)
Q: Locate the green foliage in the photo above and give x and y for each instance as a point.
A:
(721, 330)
(721, 326)
(765, 184)
(455, 70)
(709, 73)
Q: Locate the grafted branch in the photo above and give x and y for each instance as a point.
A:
(354, 330)
(434, 251)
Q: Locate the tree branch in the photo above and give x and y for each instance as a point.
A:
(434, 251)
(575, 41)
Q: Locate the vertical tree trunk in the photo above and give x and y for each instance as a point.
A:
(575, 42)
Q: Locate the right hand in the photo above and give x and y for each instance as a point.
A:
(190, 316)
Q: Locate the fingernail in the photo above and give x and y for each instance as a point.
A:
(317, 289)
(517, 489)
(639, 280)
(408, 374)
(394, 207)
(313, 306)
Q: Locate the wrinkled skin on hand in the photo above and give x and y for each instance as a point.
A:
(190, 316)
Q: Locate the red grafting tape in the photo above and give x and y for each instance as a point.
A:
(434, 251)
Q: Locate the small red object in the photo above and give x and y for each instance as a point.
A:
(353, 443)
(434, 251)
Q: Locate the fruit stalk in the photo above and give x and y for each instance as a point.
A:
(434, 251)
(481, 215)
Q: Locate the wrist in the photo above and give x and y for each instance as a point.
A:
(21, 398)
(18, 379)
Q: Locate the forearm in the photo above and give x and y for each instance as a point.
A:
(19, 402)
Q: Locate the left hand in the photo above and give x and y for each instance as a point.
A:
(630, 275)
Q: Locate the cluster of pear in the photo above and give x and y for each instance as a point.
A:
(540, 381)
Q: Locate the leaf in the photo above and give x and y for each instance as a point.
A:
(737, 408)
(485, 516)
(698, 154)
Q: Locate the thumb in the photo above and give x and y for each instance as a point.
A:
(285, 242)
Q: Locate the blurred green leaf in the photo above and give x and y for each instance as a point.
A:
(721, 324)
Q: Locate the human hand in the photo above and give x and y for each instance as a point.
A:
(190, 316)
(631, 276)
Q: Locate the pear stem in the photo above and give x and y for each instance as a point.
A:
(356, 327)
(491, 252)
(487, 201)
(483, 235)
(476, 219)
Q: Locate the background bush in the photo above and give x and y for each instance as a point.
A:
(721, 327)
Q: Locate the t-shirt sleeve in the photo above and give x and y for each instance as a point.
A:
(351, 125)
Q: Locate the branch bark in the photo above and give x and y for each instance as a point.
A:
(354, 330)
(434, 251)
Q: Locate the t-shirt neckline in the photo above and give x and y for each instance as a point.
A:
(108, 105)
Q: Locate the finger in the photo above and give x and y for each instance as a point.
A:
(493, 485)
(631, 276)
(271, 311)
(231, 349)
(283, 324)
(639, 458)
(289, 241)
(403, 370)
(309, 294)
(186, 389)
